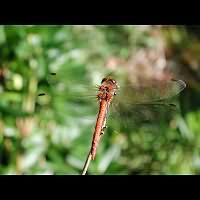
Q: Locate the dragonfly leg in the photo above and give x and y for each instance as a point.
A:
(103, 128)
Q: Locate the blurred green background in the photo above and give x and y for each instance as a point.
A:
(52, 134)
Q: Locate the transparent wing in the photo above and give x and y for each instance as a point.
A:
(134, 115)
(67, 98)
(150, 92)
(66, 86)
(152, 103)
(131, 106)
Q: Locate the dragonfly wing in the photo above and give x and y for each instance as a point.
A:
(60, 84)
(152, 103)
(150, 92)
(130, 116)
(66, 98)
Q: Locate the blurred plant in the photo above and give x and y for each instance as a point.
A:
(45, 136)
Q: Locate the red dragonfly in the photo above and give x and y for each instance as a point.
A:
(107, 90)
(129, 99)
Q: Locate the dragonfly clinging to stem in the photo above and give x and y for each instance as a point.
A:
(109, 91)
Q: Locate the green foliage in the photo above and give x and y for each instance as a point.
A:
(52, 134)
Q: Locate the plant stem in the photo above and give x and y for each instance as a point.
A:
(87, 163)
(89, 157)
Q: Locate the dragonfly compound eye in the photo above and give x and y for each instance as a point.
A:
(104, 79)
(113, 81)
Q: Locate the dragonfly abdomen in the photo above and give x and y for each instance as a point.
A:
(99, 126)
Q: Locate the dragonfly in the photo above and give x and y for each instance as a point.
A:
(128, 100)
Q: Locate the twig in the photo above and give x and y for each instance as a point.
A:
(87, 163)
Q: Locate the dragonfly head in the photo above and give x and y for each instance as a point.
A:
(109, 80)
(110, 83)
(107, 88)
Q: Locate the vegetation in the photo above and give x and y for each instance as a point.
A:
(52, 134)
